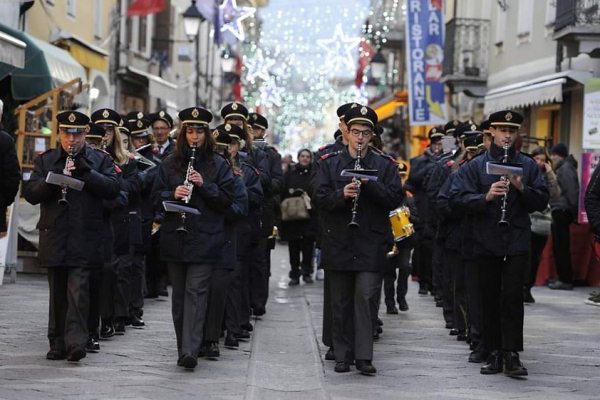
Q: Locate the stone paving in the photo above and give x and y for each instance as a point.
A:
(415, 356)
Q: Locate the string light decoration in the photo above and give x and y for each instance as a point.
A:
(270, 94)
(258, 67)
(231, 17)
(339, 50)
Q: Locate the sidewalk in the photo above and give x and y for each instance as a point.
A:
(415, 356)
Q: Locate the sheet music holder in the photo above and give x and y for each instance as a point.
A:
(64, 181)
(173, 206)
(500, 169)
(369, 174)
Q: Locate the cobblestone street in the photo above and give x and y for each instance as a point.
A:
(285, 359)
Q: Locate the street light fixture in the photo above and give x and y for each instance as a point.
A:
(228, 61)
(372, 87)
(378, 64)
(191, 21)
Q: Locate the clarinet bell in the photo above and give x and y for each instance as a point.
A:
(353, 225)
(63, 202)
(503, 223)
(182, 228)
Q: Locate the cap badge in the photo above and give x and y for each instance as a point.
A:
(473, 127)
(72, 118)
(140, 124)
(455, 123)
(215, 134)
(508, 117)
(227, 127)
(140, 115)
(234, 106)
(105, 114)
(161, 114)
(363, 111)
(195, 113)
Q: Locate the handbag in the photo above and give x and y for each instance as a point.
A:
(296, 208)
(541, 222)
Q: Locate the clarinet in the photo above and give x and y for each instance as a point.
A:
(63, 191)
(189, 185)
(503, 222)
(353, 223)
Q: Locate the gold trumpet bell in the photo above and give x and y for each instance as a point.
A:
(394, 252)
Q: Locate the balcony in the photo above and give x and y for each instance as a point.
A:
(577, 26)
(466, 55)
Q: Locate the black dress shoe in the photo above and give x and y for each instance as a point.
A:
(375, 335)
(365, 367)
(439, 304)
(391, 310)
(243, 334)
(462, 336)
(294, 282)
(493, 365)
(188, 361)
(513, 366)
(476, 357)
(379, 330)
(119, 327)
(307, 279)
(76, 354)
(92, 345)
(449, 325)
(137, 322)
(247, 327)
(203, 349)
(402, 305)
(259, 310)
(379, 321)
(423, 290)
(454, 332)
(107, 330)
(212, 350)
(527, 297)
(231, 341)
(341, 366)
(56, 354)
(330, 356)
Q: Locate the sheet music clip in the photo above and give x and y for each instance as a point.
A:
(172, 206)
(64, 181)
(501, 169)
(369, 174)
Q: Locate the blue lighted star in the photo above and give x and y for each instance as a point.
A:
(231, 17)
(339, 49)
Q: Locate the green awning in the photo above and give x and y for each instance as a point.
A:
(46, 66)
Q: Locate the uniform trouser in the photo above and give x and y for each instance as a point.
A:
(244, 307)
(122, 271)
(561, 244)
(472, 283)
(154, 267)
(234, 301)
(217, 298)
(450, 258)
(259, 274)
(95, 299)
(137, 283)
(188, 304)
(297, 247)
(424, 260)
(459, 300)
(327, 318)
(68, 307)
(402, 263)
(353, 330)
(438, 269)
(107, 296)
(538, 242)
(502, 299)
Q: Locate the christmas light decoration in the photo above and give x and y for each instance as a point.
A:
(231, 17)
(339, 49)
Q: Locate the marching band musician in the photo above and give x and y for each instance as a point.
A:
(162, 123)
(354, 257)
(501, 220)
(69, 225)
(191, 243)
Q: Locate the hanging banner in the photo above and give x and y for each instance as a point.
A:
(425, 58)
(591, 114)
(589, 161)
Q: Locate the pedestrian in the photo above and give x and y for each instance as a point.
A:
(564, 213)
(191, 243)
(286, 162)
(540, 221)
(70, 222)
(10, 174)
(502, 238)
(298, 226)
(592, 208)
(356, 232)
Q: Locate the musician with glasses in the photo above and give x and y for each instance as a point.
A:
(501, 206)
(70, 226)
(197, 178)
(162, 123)
(356, 233)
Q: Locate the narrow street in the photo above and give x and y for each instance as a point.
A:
(415, 356)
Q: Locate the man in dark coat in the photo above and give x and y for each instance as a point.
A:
(354, 258)
(501, 208)
(10, 175)
(162, 123)
(69, 230)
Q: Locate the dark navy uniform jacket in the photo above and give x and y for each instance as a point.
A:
(363, 249)
(69, 235)
(469, 190)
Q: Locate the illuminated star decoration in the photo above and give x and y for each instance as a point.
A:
(231, 17)
(270, 94)
(258, 67)
(339, 49)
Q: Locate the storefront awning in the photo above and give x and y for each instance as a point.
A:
(86, 54)
(46, 66)
(386, 107)
(12, 50)
(158, 87)
(543, 90)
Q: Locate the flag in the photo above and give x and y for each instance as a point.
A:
(141, 8)
(237, 87)
(366, 52)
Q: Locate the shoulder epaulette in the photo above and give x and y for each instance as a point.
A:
(325, 146)
(384, 155)
(450, 163)
(102, 151)
(326, 156)
(118, 169)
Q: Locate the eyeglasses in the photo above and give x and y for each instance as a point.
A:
(365, 133)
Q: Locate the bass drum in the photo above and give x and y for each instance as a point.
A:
(402, 228)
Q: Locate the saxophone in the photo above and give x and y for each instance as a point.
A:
(63, 191)
(503, 222)
(353, 223)
(190, 186)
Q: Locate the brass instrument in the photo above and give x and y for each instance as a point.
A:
(356, 181)
(503, 222)
(189, 185)
(70, 159)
